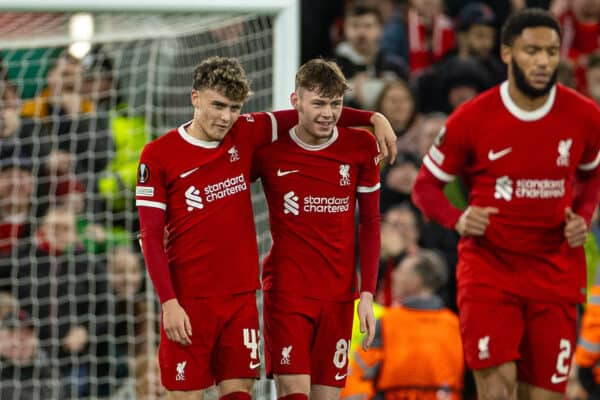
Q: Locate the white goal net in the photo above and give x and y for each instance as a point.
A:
(78, 315)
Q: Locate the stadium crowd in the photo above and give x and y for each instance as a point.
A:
(74, 318)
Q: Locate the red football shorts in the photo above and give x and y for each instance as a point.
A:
(225, 343)
(307, 336)
(498, 327)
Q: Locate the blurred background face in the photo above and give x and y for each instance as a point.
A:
(363, 33)
(401, 177)
(16, 187)
(405, 222)
(59, 229)
(586, 10)
(398, 106)
(480, 40)
(429, 129)
(9, 110)
(405, 281)
(66, 76)
(125, 273)
(460, 94)
(17, 345)
(427, 8)
(593, 83)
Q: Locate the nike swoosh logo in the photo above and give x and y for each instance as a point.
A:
(493, 156)
(558, 379)
(284, 173)
(339, 377)
(187, 173)
(254, 365)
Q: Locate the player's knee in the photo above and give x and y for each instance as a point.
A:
(245, 395)
(236, 389)
(495, 389)
(291, 385)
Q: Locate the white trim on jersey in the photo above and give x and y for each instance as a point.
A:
(437, 171)
(591, 165)
(524, 115)
(193, 141)
(367, 189)
(273, 127)
(147, 203)
(314, 147)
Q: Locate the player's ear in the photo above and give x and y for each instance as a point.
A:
(294, 99)
(506, 54)
(195, 98)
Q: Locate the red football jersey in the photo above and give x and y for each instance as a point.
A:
(211, 249)
(524, 163)
(311, 193)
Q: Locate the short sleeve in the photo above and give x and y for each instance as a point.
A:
(368, 179)
(150, 190)
(590, 158)
(446, 156)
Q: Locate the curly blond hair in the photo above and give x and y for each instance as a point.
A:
(224, 75)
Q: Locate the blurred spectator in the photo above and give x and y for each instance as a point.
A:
(476, 39)
(126, 132)
(361, 59)
(418, 345)
(57, 283)
(394, 39)
(565, 74)
(580, 25)
(16, 189)
(24, 367)
(397, 103)
(429, 127)
(593, 77)
(397, 181)
(430, 34)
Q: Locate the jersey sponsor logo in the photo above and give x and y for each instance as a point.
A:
(339, 377)
(483, 346)
(285, 355)
(144, 191)
(188, 173)
(193, 198)
(494, 155)
(284, 173)
(290, 203)
(345, 175)
(143, 173)
(181, 371)
(254, 365)
(564, 150)
(234, 155)
(505, 188)
(226, 187)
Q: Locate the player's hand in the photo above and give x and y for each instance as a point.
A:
(366, 317)
(575, 228)
(386, 137)
(176, 322)
(474, 221)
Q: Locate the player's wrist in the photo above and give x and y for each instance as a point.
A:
(365, 295)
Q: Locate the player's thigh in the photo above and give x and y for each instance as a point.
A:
(292, 384)
(236, 354)
(492, 325)
(289, 329)
(548, 345)
(187, 395)
(184, 368)
(496, 383)
(329, 355)
(322, 392)
(529, 392)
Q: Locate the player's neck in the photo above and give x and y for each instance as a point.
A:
(523, 101)
(195, 130)
(307, 138)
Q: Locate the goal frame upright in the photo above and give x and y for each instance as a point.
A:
(286, 25)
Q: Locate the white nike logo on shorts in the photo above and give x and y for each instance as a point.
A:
(558, 379)
(254, 365)
(284, 173)
(186, 173)
(339, 377)
(493, 156)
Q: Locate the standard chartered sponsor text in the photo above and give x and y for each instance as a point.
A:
(225, 188)
(326, 204)
(540, 188)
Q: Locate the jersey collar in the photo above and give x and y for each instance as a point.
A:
(524, 115)
(192, 140)
(313, 147)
